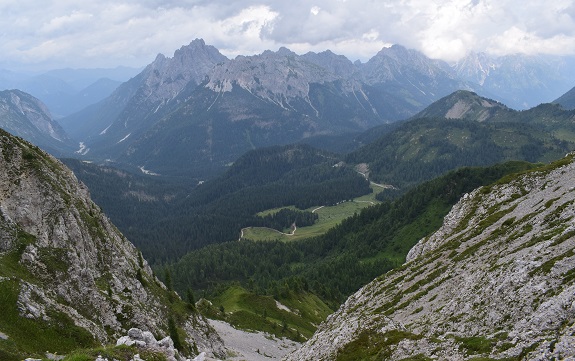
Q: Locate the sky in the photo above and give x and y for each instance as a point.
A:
(52, 34)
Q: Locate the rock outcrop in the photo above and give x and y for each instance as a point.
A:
(68, 268)
(147, 341)
(497, 281)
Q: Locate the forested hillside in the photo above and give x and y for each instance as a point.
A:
(167, 219)
(464, 129)
(348, 256)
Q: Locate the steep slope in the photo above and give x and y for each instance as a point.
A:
(27, 117)
(567, 100)
(68, 278)
(496, 281)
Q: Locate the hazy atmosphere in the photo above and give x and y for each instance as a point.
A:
(64, 33)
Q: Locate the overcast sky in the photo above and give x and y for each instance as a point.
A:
(107, 33)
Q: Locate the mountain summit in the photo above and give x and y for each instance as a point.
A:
(197, 111)
(109, 126)
(464, 105)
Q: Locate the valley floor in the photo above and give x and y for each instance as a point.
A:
(252, 346)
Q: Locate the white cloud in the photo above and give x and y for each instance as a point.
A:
(66, 24)
(131, 32)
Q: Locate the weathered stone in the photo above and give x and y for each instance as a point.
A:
(145, 340)
(200, 357)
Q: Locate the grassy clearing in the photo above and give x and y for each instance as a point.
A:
(329, 217)
(274, 211)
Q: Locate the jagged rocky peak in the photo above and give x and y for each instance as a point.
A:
(166, 77)
(66, 270)
(276, 76)
(337, 64)
(496, 281)
(391, 63)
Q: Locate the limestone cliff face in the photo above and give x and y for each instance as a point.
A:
(68, 258)
(496, 281)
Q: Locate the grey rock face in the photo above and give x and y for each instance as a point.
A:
(27, 117)
(78, 263)
(275, 76)
(495, 281)
(146, 340)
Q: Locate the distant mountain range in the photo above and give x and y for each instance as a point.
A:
(66, 91)
(196, 112)
(520, 81)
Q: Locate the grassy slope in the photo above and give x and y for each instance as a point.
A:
(253, 312)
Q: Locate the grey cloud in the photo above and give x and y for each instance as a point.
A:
(132, 32)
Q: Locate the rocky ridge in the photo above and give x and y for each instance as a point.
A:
(496, 281)
(68, 268)
(211, 109)
(142, 101)
(27, 117)
(277, 77)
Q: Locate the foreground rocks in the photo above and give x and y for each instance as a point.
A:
(69, 267)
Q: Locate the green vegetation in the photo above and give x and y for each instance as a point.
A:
(425, 148)
(28, 336)
(168, 218)
(295, 315)
(114, 353)
(327, 218)
(373, 346)
(349, 255)
(476, 344)
(40, 326)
